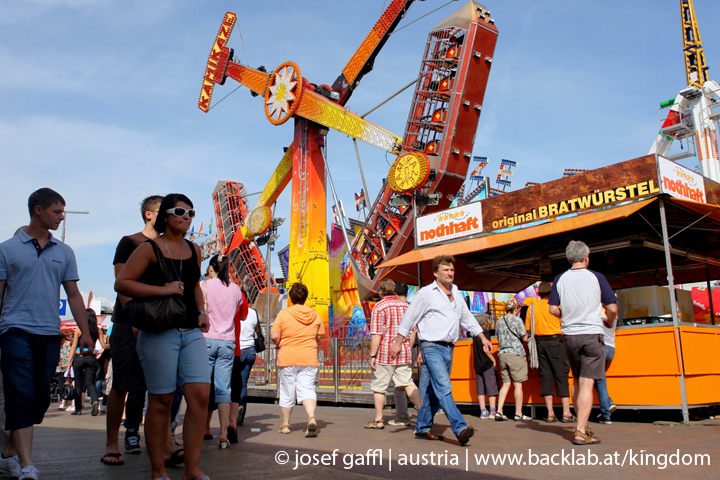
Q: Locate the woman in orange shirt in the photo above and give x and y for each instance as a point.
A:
(296, 332)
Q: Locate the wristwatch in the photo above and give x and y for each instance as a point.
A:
(202, 312)
(373, 356)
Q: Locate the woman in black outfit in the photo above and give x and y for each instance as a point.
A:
(85, 366)
(179, 353)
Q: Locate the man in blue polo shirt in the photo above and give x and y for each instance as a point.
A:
(33, 265)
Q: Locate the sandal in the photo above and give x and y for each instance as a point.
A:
(311, 428)
(587, 439)
(116, 456)
(223, 443)
(568, 419)
(284, 428)
(375, 424)
(522, 418)
(499, 417)
(176, 458)
(551, 419)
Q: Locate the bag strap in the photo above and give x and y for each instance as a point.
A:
(504, 317)
(169, 278)
(532, 320)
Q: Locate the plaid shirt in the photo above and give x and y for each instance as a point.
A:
(385, 320)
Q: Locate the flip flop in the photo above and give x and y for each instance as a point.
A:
(175, 459)
(117, 456)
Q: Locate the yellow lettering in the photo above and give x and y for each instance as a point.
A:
(631, 190)
(563, 207)
(642, 188)
(653, 188)
(572, 204)
(620, 194)
(542, 211)
(552, 209)
(609, 196)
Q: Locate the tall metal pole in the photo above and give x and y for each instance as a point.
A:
(362, 175)
(673, 307)
(268, 262)
(710, 299)
(62, 236)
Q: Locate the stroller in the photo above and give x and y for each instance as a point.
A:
(55, 390)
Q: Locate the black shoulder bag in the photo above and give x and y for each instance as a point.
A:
(259, 340)
(157, 314)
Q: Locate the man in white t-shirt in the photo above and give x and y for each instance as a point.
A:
(577, 297)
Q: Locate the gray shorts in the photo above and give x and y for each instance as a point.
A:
(586, 354)
(487, 383)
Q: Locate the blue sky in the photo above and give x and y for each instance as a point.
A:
(100, 98)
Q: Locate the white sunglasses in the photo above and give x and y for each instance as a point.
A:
(180, 212)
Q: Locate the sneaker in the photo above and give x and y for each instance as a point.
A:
(10, 466)
(484, 414)
(70, 409)
(612, 408)
(29, 473)
(603, 420)
(399, 422)
(103, 408)
(61, 406)
(492, 414)
(132, 441)
(95, 409)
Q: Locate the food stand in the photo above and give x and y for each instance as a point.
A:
(648, 222)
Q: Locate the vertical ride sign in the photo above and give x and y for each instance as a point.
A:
(449, 224)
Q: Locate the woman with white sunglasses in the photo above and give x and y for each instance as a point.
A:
(177, 354)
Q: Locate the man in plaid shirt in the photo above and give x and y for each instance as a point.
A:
(386, 317)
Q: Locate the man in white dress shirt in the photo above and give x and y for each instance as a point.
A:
(438, 310)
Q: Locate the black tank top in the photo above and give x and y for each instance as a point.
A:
(190, 276)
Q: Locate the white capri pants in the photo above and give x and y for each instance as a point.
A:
(297, 384)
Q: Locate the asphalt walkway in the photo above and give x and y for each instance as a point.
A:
(69, 447)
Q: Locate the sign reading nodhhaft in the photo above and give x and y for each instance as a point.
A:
(449, 224)
(681, 182)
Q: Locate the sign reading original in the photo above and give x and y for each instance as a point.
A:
(449, 224)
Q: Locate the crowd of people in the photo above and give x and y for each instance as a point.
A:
(178, 336)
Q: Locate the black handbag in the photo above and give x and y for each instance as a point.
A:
(259, 341)
(156, 314)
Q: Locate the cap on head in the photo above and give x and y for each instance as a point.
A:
(544, 288)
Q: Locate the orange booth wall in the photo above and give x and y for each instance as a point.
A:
(645, 371)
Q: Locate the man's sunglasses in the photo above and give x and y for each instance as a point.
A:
(180, 212)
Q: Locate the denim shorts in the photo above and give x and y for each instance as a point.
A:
(221, 356)
(173, 357)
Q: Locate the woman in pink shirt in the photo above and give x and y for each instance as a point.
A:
(223, 299)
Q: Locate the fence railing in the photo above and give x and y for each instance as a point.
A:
(343, 377)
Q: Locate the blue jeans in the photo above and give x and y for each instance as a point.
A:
(241, 374)
(435, 373)
(221, 354)
(601, 385)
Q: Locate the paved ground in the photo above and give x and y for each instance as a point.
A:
(69, 447)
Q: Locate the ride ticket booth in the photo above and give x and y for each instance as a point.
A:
(650, 224)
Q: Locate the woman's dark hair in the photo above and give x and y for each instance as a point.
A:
(298, 293)
(167, 203)
(221, 265)
(92, 324)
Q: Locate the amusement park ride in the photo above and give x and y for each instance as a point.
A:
(433, 155)
(693, 115)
